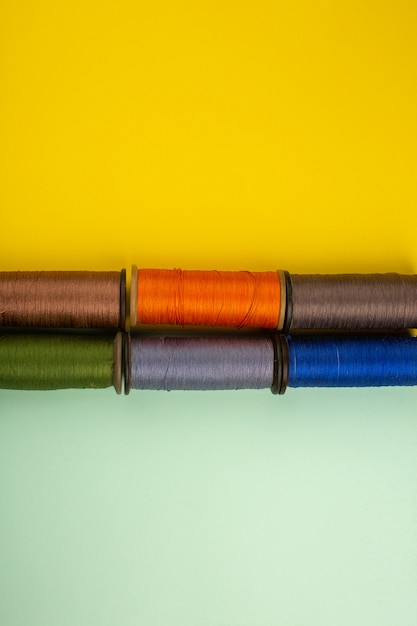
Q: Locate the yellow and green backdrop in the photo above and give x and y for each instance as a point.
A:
(208, 135)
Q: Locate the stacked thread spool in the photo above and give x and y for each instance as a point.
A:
(288, 306)
(206, 330)
(62, 329)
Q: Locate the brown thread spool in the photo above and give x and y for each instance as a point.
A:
(68, 299)
(351, 302)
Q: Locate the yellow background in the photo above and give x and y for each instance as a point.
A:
(222, 134)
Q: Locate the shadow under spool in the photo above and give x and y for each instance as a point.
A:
(44, 361)
(68, 299)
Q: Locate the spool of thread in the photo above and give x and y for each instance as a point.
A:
(207, 298)
(268, 361)
(63, 361)
(274, 300)
(199, 363)
(78, 299)
(364, 361)
(351, 302)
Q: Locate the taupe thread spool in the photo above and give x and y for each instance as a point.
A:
(351, 302)
(68, 299)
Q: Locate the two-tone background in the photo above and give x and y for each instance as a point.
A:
(208, 135)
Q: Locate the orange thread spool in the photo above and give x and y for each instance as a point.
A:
(206, 298)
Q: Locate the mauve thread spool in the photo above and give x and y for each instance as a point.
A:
(351, 302)
(67, 299)
(49, 361)
(199, 363)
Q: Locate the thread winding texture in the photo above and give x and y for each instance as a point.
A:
(353, 301)
(352, 361)
(207, 298)
(236, 362)
(62, 299)
(201, 363)
(47, 361)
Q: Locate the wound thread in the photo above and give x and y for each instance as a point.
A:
(79, 299)
(352, 361)
(274, 361)
(206, 298)
(64, 361)
(278, 300)
(201, 363)
(352, 302)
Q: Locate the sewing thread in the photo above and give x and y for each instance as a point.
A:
(60, 361)
(200, 363)
(347, 361)
(269, 361)
(63, 299)
(207, 298)
(351, 302)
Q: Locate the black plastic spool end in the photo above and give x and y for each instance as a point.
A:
(288, 308)
(280, 381)
(127, 363)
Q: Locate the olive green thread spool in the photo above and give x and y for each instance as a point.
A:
(60, 361)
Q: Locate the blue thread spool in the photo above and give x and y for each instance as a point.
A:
(352, 361)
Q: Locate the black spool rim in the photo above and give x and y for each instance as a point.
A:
(117, 362)
(283, 300)
(285, 363)
(288, 308)
(277, 379)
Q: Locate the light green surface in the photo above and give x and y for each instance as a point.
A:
(208, 508)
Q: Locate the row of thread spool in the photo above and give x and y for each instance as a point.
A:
(266, 300)
(159, 362)
(280, 300)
